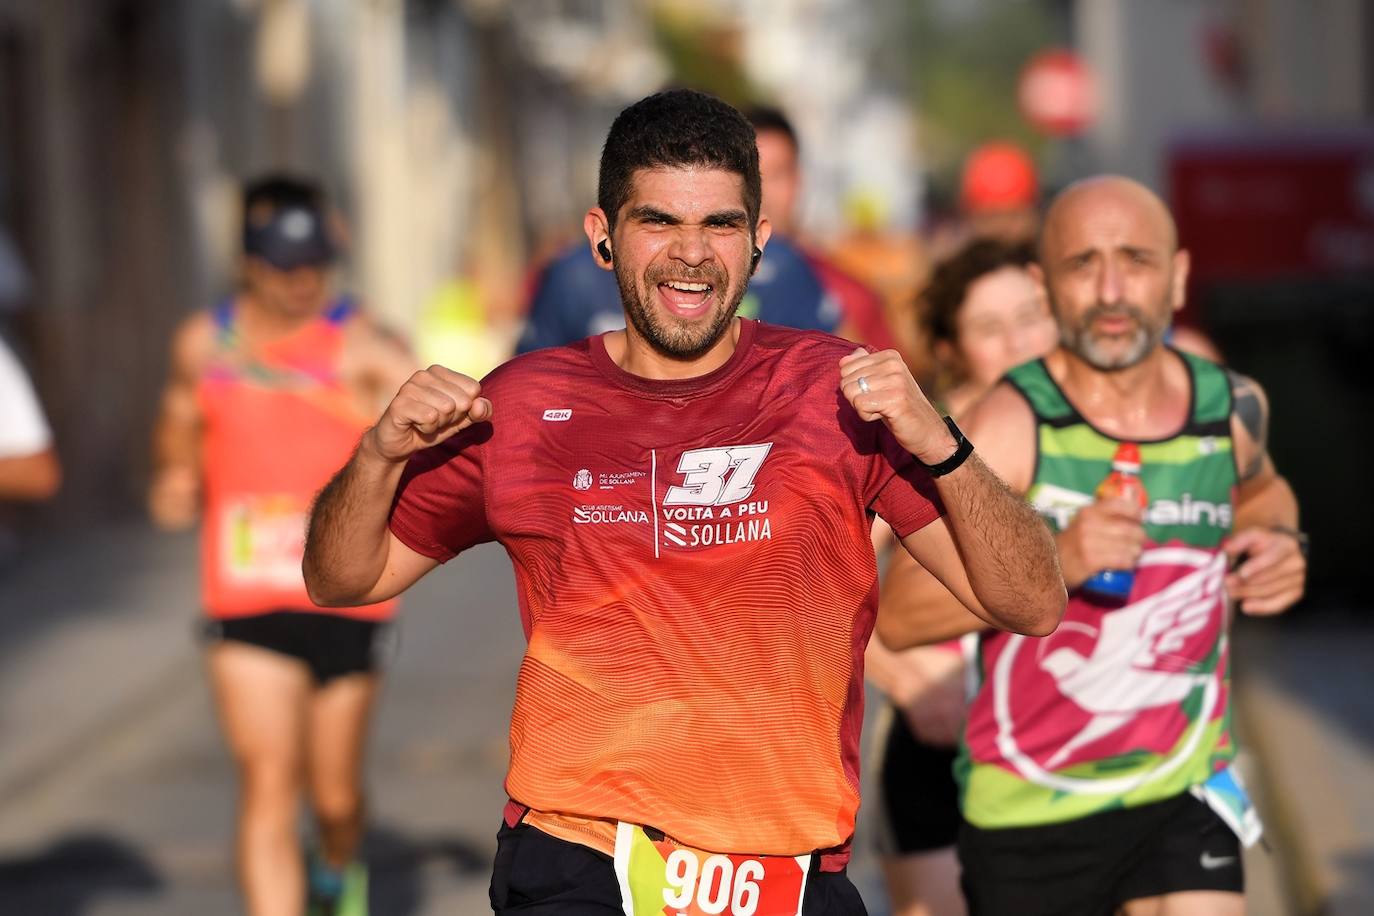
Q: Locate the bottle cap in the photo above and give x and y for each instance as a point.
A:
(1127, 458)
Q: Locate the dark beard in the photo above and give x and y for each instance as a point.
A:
(676, 344)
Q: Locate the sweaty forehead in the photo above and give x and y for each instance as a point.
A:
(684, 189)
(1107, 214)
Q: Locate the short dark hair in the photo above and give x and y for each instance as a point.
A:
(279, 191)
(949, 284)
(766, 117)
(679, 127)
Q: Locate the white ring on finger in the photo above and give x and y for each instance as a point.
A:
(863, 385)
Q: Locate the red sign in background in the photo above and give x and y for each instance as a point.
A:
(1254, 207)
(1057, 93)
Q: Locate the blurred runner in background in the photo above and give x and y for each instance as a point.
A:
(985, 314)
(998, 198)
(894, 264)
(999, 193)
(29, 469)
(268, 393)
(1096, 769)
(574, 297)
(857, 309)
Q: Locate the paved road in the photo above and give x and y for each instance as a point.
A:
(1308, 712)
(119, 798)
(115, 794)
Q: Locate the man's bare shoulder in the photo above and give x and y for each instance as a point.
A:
(375, 354)
(1002, 404)
(193, 342)
(363, 330)
(1001, 426)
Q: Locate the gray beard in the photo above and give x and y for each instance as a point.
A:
(1079, 341)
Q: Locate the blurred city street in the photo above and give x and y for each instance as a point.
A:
(116, 793)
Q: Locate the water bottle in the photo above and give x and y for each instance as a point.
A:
(1113, 586)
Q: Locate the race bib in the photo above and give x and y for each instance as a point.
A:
(1225, 794)
(262, 541)
(662, 878)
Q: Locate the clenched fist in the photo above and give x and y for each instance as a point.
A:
(1104, 535)
(880, 387)
(434, 404)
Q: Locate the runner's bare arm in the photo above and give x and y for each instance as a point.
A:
(1272, 570)
(993, 554)
(351, 557)
(30, 478)
(989, 550)
(174, 491)
(914, 607)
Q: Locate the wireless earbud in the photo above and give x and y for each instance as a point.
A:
(604, 250)
(754, 261)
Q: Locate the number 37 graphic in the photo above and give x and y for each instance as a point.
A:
(717, 476)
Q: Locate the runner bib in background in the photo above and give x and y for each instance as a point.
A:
(263, 540)
(1225, 794)
(662, 878)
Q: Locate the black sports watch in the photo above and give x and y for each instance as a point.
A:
(962, 449)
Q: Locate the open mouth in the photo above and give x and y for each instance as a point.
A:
(685, 298)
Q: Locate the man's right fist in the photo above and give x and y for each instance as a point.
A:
(1103, 535)
(431, 406)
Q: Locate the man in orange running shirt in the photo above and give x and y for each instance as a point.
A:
(687, 504)
(268, 392)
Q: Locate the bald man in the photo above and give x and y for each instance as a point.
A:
(1096, 769)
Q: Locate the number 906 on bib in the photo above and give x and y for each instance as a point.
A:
(661, 877)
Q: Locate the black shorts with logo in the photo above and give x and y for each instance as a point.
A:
(330, 646)
(920, 798)
(536, 874)
(1092, 865)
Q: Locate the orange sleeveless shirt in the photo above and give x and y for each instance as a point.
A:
(278, 423)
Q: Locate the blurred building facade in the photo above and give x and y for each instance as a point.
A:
(128, 127)
(1167, 67)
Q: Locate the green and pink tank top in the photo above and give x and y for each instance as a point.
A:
(1120, 706)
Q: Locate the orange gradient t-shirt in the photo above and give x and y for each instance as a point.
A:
(696, 584)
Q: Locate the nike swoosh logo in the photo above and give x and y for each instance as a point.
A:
(1211, 862)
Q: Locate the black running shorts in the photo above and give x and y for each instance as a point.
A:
(920, 799)
(330, 646)
(536, 874)
(1091, 866)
